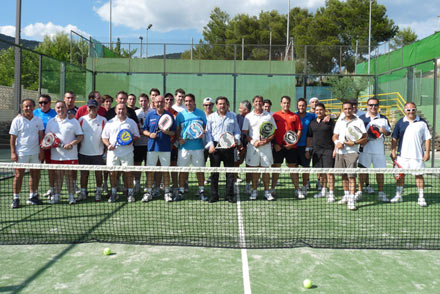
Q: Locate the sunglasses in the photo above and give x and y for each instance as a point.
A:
(43, 102)
(411, 110)
(373, 105)
(207, 105)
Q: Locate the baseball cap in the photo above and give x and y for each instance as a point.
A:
(313, 98)
(208, 100)
(92, 103)
(71, 112)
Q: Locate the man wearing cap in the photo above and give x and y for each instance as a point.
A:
(26, 133)
(94, 95)
(92, 149)
(313, 102)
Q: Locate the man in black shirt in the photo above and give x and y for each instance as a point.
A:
(320, 147)
(122, 97)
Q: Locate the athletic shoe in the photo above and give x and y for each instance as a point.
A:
(381, 196)
(131, 199)
(268, 195)
(55, 199)
(300, 194)
(343, 200)
(34, 200)
(308, 185)
(208, 180)
(147, 197)
(82, 196)
(48, 194)
(239, 180)
(179, 196)
(369, 189)
(202, 196)
(396, 199)
(422, 202)
(248, 189)
(72, 199)
(98, 196)
(156, 193)
(358, 196)
(15, 203)
(351, 203)
(112, 198)
(318, 185)
(320, 195)
(253, 195)
(331, 198)
(175, 192)
(77, 189)
(168, 196)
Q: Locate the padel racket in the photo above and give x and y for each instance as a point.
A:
(50, 140)
(374, 132)
(165, 122)
(194, 130)
(353, 133)
(397, 176)
(226, 141)
(124, 137)
(267, 129)
(291, 137)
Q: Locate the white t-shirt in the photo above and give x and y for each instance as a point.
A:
(111, 131)
(27, 132)
(66, 130)
(178, 108)
(377, 146)
(252, 123)
(341, 128)
(92, 128)
(141, 114)
(414, 138)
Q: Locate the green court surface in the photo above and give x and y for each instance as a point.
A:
(83, 268)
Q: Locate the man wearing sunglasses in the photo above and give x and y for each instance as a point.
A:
(409, 135)
(374, 151)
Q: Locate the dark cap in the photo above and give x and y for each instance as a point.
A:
(92, 103)
(71, 112)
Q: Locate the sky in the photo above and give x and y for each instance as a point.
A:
(174, 21)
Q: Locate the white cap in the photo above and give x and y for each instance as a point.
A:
(208, 100)
(313, 98)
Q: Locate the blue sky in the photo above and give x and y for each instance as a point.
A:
(174, 21)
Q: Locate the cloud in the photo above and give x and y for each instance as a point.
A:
(422, 28)
(38, 30)
(190, 14)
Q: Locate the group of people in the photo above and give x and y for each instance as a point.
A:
(89, 136)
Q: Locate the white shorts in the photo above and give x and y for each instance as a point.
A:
(378, 160)
(188, 157)
(163, 157)
(259, 156)
(28, 158)
(113, 160)
(411, 163)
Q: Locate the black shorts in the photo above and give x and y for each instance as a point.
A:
(301, 157)
(323, 159)
(140, 154)
(288, 154)
(174, 155)
(90, 160)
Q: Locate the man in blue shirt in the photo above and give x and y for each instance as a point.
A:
(219, 123)
(191, 151)
(159, 146)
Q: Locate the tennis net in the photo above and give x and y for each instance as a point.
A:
(244, 223)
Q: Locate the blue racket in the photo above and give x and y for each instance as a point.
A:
(124, 137)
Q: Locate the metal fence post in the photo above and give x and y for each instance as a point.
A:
(40, 74)
(234, 75)
(62, 79)
(164, 68)
(434, 115)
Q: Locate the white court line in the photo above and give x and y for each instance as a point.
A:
(244, 258)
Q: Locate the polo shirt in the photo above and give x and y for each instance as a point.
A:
(66, 130)
(92, 128)
(162, 142)
(321, 133)
(411, 137)
(305, 121)
(27, 133)
(183, 120)
(375, 146)
(45, 116)
(288, 121)
(111, 131)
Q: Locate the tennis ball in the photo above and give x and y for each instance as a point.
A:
(107, 251)
(307, 284)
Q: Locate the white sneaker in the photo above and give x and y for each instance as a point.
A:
(98, 195)
(369, 189)
(358, 196)
(48, 194)
(131, 199)
(268, 196)
(72, 199)
(253, 195)
(397, 198)
(331, 198)
(320, 194)
(147, 197)
(168, 197)
(55, 199)
(422, 202)
(381, 196)
(343, 200)
(300, 194)
(82, 196)
(351, 203)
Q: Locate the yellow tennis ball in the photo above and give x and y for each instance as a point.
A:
(307, 284)
(107, 251)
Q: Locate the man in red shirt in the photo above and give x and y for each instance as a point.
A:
(286, 120)
(83, 109)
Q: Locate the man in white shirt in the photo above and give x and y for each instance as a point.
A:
(179, 97)
(259, 150)
(92, 149)
(70, 134)
(140, 146)
(347, 151)
(118, 154)
(26, 133)
(409, 135)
